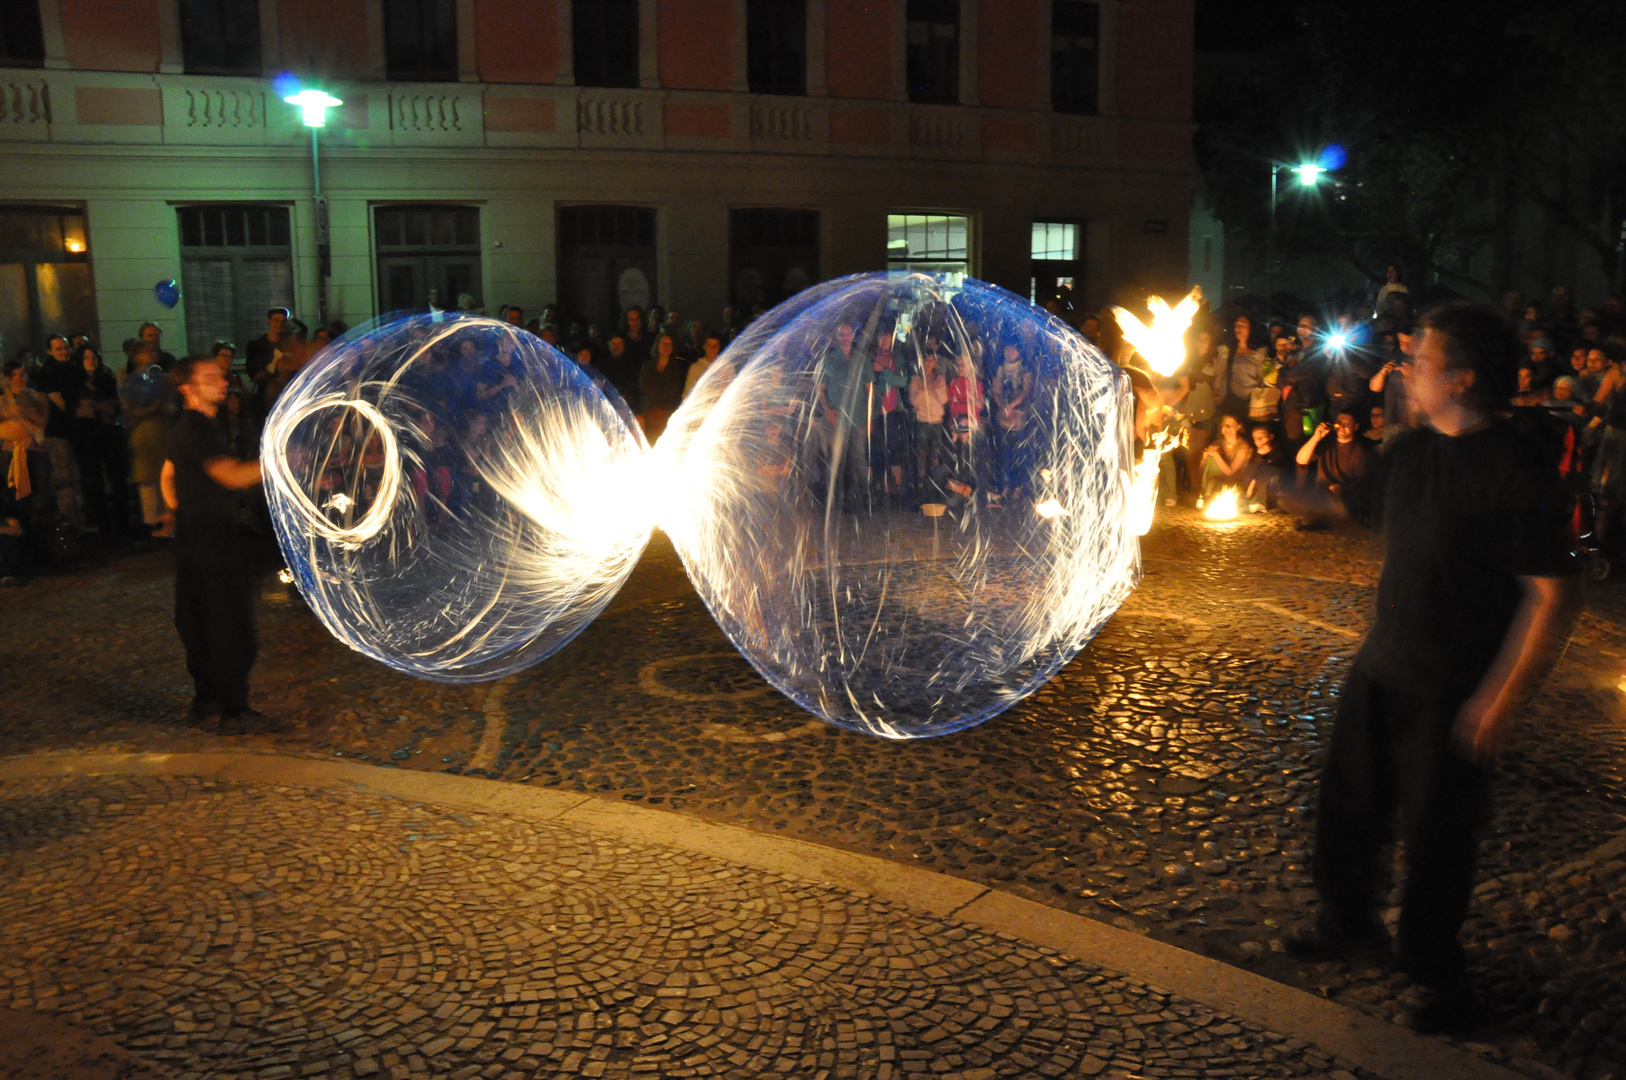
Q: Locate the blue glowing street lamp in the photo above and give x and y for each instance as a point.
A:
(313, 105)
(1331, 159)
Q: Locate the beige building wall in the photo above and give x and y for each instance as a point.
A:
(131, 146)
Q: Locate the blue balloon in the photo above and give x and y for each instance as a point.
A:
(168, 292)
(1332, 158)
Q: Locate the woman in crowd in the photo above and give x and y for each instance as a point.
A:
(1012, 388)
(146, 397)
(98, 442)
(1225, 460)
(660, 383)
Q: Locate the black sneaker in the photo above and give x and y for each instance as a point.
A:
(251, 722)
(1444, 1010)
(1319, 943)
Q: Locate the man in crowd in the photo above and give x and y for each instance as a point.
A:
(1475, 598)
(262, 354)
(214, 580)
(1340, 463)
(150, 334)
(845, 381)
(57, 379)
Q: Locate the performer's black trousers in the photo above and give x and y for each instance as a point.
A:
(214, 611)
(1391, 749)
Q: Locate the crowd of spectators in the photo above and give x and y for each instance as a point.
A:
(1309, 400)
(1260, 404)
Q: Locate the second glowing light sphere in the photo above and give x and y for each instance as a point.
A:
(795, 470)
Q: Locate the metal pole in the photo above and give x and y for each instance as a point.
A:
(323, 249)
(1270, 268)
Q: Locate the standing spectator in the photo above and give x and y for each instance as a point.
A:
(225, 354)
(1012, 389)
(889, 424)
(293, 352)
(1390, 381)
(214, 579)
(660, 385)
(513, 316)
(98, 444)
(711, 346)
(1247, 370)
(1206, 381)
(1303, 390)
(1392, 286)
(262, 355)
(150, 334)
(146, 393)
(845, 379)
(928, 401)
(56, 379)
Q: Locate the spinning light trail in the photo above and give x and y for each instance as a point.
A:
(460, 533)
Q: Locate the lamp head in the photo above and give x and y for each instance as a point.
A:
(1309, 173)
(313, 106)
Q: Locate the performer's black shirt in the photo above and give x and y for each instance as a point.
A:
(1463, 518)
(207, 513)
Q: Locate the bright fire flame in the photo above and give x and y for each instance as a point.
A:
(1143, 486)
(1163, 344)
(1222, 507)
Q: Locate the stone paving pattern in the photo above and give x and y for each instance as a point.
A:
(263, 931)
(1163, 782)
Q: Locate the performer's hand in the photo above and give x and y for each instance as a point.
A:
(1481, 730)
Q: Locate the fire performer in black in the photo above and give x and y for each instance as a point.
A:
(1475, 599)
(214, 578)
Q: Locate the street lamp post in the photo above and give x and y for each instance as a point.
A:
(313, 107)
(1309, 174)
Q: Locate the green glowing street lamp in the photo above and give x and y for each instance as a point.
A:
(313, 106)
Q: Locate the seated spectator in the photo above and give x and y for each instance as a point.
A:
(1225, 461)
(22, 435)
(1339, 462)
(1262, 478)
(960, 474)
(1374, 428)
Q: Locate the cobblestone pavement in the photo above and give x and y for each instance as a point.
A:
(235, 930)
(1163, 782)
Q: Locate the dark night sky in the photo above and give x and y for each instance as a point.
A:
(1244, 25)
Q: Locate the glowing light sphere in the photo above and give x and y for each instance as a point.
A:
(454, 497)
(782, 472)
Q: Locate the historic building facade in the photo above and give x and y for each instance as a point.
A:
(593, 153)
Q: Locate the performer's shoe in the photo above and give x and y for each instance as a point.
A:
(1321, 942)
(251, 722)
(199, 713)
(1453, 1009)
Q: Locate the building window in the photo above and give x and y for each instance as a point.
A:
(776, 46)
(606, 261)
(21, 43)
(45, 284)
(221, 37)
(1075, 39)
(236, 261)
(428, 256)
(605, 42)
(773, 255)
(1058, 261)
(420, 40)
(933, 36)
(933, 243)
